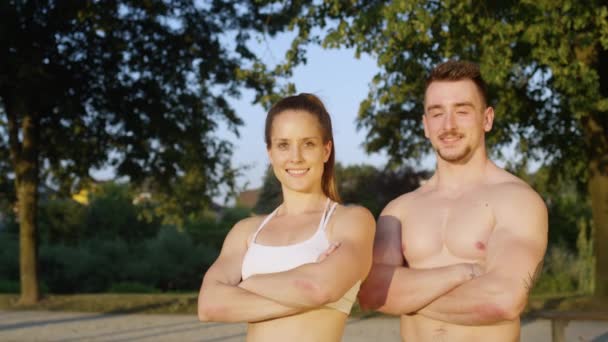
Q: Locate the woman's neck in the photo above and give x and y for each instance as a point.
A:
(299, 202)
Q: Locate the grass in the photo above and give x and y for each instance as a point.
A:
(185, 303)
(157, 303)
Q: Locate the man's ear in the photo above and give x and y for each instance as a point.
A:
(488, 119)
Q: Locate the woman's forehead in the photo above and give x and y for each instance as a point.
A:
(296, 124)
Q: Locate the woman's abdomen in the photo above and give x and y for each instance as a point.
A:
(322, 325)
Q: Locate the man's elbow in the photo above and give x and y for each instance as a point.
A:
(507, 308)
(370, 300)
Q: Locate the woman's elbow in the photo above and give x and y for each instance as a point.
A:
(211, 311)
(316, 293)
(206, 312)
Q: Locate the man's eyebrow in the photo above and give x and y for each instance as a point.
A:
(429, 108)
(464, 104)
(458, 104)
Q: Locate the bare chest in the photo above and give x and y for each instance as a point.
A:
(439, 231)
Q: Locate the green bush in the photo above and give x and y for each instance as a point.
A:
(111, 214)
(9, 256)
(560, 272)
(175, 262)
(169, 261)
(132, 287)
(61, 221)
(9, 286)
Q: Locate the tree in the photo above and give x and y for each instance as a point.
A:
(270, 194)
(138, 86)
(354, 183)
(545, 62)
(373, 188)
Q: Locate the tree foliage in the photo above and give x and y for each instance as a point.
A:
(137, 86)
(363, 185)
(544, 62)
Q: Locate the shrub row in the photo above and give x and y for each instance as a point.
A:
(168, 261)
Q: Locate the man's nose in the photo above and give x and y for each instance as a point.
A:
(449, 121)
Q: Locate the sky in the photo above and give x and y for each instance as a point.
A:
(339, 79)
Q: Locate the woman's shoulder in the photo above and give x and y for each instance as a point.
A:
(351, 213)
(248, 225)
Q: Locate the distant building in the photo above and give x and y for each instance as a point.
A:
(248, 198)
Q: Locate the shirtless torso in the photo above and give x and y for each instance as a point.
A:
(457, 258)
(440, 228)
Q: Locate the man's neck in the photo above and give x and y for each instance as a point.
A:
(459, 176)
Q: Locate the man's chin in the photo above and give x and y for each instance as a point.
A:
(455, 157)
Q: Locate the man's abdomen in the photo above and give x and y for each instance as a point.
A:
(420, 328)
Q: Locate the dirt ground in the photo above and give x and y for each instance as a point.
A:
(65, 326)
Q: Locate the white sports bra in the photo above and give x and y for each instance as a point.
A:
(262, 259)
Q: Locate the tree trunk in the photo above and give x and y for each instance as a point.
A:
(597, 143)
(598, 190)
(24, 155)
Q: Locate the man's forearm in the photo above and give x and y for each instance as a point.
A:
(401, 290)
(482, 301)
(227, 303)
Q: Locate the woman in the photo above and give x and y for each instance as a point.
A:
(294, 273)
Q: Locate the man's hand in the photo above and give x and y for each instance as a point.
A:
(475, 270)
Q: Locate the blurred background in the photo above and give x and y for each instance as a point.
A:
(131, 132)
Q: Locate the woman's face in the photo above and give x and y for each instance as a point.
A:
(297, 152)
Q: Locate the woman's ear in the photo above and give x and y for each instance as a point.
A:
(327, 148)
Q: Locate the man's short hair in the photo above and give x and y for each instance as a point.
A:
(454, 70)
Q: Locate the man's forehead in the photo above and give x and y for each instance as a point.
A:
(449, 93)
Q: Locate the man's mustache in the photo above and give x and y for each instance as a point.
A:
(451, 133)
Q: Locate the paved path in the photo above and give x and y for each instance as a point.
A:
(24, 326)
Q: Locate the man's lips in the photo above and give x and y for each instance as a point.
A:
(450, 138)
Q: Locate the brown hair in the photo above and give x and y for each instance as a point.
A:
(454, 70)
(313, 105)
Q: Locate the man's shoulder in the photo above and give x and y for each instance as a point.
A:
(508, 186)
(511, 194)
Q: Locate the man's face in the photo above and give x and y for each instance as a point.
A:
(456, 119)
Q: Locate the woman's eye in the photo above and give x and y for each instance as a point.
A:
(282, 146)
(310, 144)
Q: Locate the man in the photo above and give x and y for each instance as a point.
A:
(457, 257)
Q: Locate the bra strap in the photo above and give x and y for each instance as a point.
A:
(271, 215)
(327, 214)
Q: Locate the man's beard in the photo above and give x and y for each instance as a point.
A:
(459, 158)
